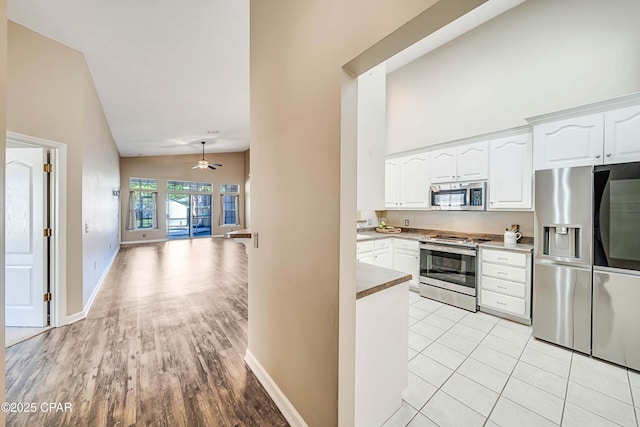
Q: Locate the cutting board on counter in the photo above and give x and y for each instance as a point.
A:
(393, 230)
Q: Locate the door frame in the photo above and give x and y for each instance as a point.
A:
(58, 203)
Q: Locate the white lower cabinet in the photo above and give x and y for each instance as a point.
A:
(394, 253)
(504, 288)
(376, 252)
(406, 258)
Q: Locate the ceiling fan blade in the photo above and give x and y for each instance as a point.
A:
(215, 164)
(211, 167)
(195, 167)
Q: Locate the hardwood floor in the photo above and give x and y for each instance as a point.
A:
(163, 346)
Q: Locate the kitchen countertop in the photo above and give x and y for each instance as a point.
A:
(520, 247)
(238, 234)
(374, 235)
(418, 234)
(371, 279)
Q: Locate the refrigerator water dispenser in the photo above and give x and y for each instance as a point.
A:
(561, 241)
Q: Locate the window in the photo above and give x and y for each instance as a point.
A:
(143, 184)
(229, 204)
(142, 204)
(205, 187)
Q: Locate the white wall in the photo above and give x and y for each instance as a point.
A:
(372, 118)
(539, 57)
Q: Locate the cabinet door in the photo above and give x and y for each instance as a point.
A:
(622, 135)
(413, 181)
(511, 173)
(391, 178)
(473, 162)
(366, 257)
(382, 258)
(567, 143)
(407, 262)
(443, 165)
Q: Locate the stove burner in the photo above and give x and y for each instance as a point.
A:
(454, 240)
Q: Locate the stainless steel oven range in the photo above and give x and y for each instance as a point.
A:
(448, 270)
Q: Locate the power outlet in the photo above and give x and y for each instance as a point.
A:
(406, 222)
(144, 235)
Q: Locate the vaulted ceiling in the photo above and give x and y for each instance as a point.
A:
(169, 73)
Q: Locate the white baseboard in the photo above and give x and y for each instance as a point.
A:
(135, 242)
(85, 311)
(96, 289)
(74, 318)
(281, 401)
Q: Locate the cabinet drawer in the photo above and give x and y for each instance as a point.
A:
(504, 257)
(409, 245)
(382, 243)
(504, 272)
(502, 302)
(502, 287)
(364, 246)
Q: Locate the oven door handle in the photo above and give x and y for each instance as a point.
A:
(448, 249)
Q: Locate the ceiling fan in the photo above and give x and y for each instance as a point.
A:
(203, 164)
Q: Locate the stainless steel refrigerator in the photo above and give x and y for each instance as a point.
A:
(563, 257)
(616, 269)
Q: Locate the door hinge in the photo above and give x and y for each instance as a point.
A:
(48, 167)
(47, 232)
(47, 297)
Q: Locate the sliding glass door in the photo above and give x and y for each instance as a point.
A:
(188, 209)
(200, 215)
(178, 215)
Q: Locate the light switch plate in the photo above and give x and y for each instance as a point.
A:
(255, 240)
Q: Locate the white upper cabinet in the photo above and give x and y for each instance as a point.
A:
(391, 178)
(511, 172)
(443, 165)
(473, 162)
(413, 181)
(406, 182)
(570, 142)
(622, 135)
(606, 137)
(463, 163)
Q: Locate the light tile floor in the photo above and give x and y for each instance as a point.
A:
(474, 369)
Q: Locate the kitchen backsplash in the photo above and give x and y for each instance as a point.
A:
(368, 219)
(490, 222)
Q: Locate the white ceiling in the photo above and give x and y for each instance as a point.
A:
(170, 72)
(167, 72)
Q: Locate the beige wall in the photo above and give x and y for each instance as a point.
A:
(297, 51)
(165, 168)
(50, 95)
(100, 176)
(539, 57)
(3, 131)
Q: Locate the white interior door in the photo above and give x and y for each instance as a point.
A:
(25, 253)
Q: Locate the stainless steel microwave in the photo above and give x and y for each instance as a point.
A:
(458, 196)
